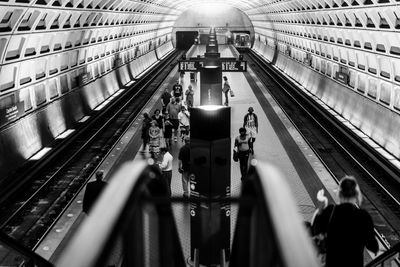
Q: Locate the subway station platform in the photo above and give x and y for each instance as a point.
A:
(278, 142)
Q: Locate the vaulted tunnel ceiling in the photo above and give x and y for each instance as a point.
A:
(41, 39)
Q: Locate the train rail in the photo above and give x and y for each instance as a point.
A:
(29, 213)
(340, 150)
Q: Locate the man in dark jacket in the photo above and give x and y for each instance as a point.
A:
(93, 190)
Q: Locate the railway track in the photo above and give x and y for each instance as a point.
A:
(339, 149)
(31, 211)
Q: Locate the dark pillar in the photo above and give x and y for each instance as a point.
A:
(211, 86)
(210, 153)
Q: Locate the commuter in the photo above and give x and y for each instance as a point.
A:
(184, 122)
(166, 167)
(92, 192)
(173, 109)
(165, 99)
(168, 126)
(242, 144)
(177, 91)
(155, 139)
(158, 118)
(184, 166)
(347, 227)
(225, 89)
(250, 122)
(189, 96)
(145, 130)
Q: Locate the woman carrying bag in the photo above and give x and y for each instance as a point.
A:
(347, 228)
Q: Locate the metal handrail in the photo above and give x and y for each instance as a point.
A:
(273, 225)
(117, 211)
(386, 258)
(296, 247)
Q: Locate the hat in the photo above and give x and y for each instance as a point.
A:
(251, 109)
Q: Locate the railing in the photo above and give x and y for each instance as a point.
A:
(132, 225)
(271, 232)
(125, 228)
(390, 258)
(13, 254)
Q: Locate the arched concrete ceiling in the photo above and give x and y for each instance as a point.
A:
(42, 39)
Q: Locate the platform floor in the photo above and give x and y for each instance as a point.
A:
(278, 142)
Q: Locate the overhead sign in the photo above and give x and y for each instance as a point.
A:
(11, 112)
(233, 66)
(227, 65)
(188, 65)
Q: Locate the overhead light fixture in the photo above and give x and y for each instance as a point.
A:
(211, 63)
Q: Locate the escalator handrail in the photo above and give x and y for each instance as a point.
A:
(296, 247)
(27, 253)
(122, 194)
(388, 254)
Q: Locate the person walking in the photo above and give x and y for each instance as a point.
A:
(225, 89)
(146, 123)
(92, 192)
(165, 99)
(348, 228)
(166, 167)
(155, 139)
(189, 96)
(184, 122)
(158, 118)
(177, 91)
(250, 122)
(184, 166)
(168, 126)
(173, 109)
(242, 144)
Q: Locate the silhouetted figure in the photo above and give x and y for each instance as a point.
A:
(225, 89)
(348, 228)
(242, 144)
(189, 96)
(166, 167)
(93, 190)
(145, 130)
(250, 122)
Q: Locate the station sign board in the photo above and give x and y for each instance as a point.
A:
(227, 65)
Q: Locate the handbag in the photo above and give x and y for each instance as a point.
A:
(320, 242)
(232, 93)
(235, 156)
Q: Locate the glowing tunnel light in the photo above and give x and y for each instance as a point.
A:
(65, 134)
(41, 153)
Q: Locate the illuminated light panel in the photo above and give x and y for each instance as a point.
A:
(84, 119)
(41, 153)
(65, 134)
(101, 106)
(147, 70)
(211, 107)
(130, 83)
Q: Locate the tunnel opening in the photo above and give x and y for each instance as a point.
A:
(185, 39)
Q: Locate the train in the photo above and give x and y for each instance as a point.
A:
(241, 40)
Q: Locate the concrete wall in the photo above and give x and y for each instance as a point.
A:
(378, 121)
